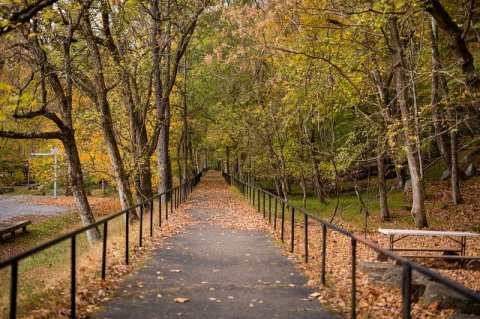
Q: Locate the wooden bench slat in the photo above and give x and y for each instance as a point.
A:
(453, 250)
(442, 256)
(423, 232)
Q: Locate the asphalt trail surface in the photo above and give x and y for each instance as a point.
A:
(223, 272)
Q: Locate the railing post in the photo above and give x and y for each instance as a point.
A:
(140, 233)
(258, 199)
(406, 290)
(275, 215)
(151, 218)
(264, 194)
(13, 290)
(166, 206)
(324, 252)
(253, 196)
(127, 226)
(292, 241)
(104, 249)
(354, 279)
(176, 197)
(283, 221)
(306, 238)
(171, 197)
(73, 254)
(269, 209)
(160, 211)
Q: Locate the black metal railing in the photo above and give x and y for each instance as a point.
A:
(253, 195)
(174, 196)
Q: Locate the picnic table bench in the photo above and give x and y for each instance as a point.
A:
(456, 253)
(10, 228)
(6, 190)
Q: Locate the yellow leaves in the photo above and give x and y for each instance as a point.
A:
(181, 300)
(5, 87)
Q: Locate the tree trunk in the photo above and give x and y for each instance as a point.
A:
(186, 140)
(454, 171)
(382, 185)
(227, 162)
(138, 130)
(418, 205)
(451, 154)
(454, 36)
(78, 186)
(121, 178)
(435, 98)
(164, 164)
(317, 181)
(303, 184)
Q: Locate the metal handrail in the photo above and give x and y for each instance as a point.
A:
(249, 192)
(175, 195)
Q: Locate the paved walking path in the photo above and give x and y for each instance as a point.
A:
(223, 272)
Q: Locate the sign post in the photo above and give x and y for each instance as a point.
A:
(53, 152)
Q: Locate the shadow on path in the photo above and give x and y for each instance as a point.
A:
(223, 272)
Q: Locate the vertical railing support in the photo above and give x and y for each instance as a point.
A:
(160, 211)
(283, 222)
(292, 241)
(406, 290)
(275, 215)
(324, 252)
(14, 290)
(140, 233)
(104, 249)
(306, 238)
(151, 218)
(264, 194)
(166, 206)
(73, 257)
(269, 209)
(258, 200)
(354, 280)
(127, 226)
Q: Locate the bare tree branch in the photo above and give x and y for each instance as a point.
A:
(31, 135)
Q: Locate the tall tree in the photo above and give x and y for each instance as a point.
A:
(59, 109)
(98, 94)
(456, 39)
(418, 192)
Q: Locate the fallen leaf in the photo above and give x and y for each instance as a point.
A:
(181, 300)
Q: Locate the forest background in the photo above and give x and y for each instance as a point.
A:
(353, 109)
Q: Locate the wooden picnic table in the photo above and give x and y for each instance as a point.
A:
(457, 237)
(10, 228)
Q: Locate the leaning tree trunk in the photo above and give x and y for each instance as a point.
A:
(418, 194)
(456, 41)
(121, 178)
(78, 186)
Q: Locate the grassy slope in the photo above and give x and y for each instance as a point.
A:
(441, 213)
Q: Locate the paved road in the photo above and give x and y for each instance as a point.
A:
(13, 206)
(225, 273)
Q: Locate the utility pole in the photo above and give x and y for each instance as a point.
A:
(53, 152)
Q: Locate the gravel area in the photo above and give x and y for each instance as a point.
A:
(13, 206)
